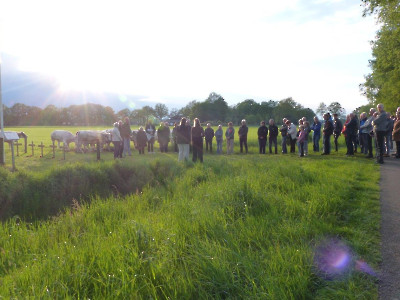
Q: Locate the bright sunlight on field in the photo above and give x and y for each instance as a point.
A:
(241, 226)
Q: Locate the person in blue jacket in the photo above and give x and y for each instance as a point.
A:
(316, 128)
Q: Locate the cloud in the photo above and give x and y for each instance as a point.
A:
(176, 49)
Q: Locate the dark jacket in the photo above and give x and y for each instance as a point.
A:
(381, 122)
(283, 130)
(209, 134)
(262, 132)
(338, 126)
(141, 139)
(328, 128)
(351, 128)
(273, 131)
(163, 133)
(197, 135)
(183, 134)
(243, 130)
(125, 130)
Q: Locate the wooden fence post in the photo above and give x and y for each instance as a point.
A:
(12, 156)
(18, 144)
(54, 151)
(98, 150)
(32, 145)
(41, 146)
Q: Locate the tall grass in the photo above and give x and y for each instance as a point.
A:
(230, 228)
(32, 195)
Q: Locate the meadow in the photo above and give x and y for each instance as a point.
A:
(235, 227)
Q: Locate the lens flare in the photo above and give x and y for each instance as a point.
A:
(333, 259)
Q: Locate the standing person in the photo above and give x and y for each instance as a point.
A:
(121, 147)
(363, 133)
(396, 133)
(229, 135)
(197, 140)
(367, 127)
(284, 135)
(388, 137)
(273, 135)
(327, 132)
(243, 130)
(350, 130)
(163, 134)
(292, 133)
(126, 137)
(219, 136)
(141, 140)
(307, 130)
(380, 125)
(190, 134)
(337, 130)
(183, 140)
(301, 139)
(316, 128)
(262, 136)
(174, 130)
(117, 140)
(209, 135)
(151, 130)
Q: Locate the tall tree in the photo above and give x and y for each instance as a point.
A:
(382, 85)
(321, 109)
(336, 108)
(160, 111)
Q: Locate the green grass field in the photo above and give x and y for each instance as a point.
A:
(235, 227)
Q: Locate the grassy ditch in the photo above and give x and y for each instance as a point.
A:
(33, 195)
(241, 227)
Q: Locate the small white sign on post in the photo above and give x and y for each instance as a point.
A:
(9, 136)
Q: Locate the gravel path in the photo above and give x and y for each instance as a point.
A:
(389, 286)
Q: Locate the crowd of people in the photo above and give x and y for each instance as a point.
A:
(379, 129)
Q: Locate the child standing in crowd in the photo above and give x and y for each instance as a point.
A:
(219, 136)
(230, 135)
(301, 139)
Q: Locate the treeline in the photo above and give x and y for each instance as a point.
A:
(382, 85)
(214, 109)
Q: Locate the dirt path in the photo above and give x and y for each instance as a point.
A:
(389, 287)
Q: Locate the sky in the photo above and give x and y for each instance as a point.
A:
(176, 51)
